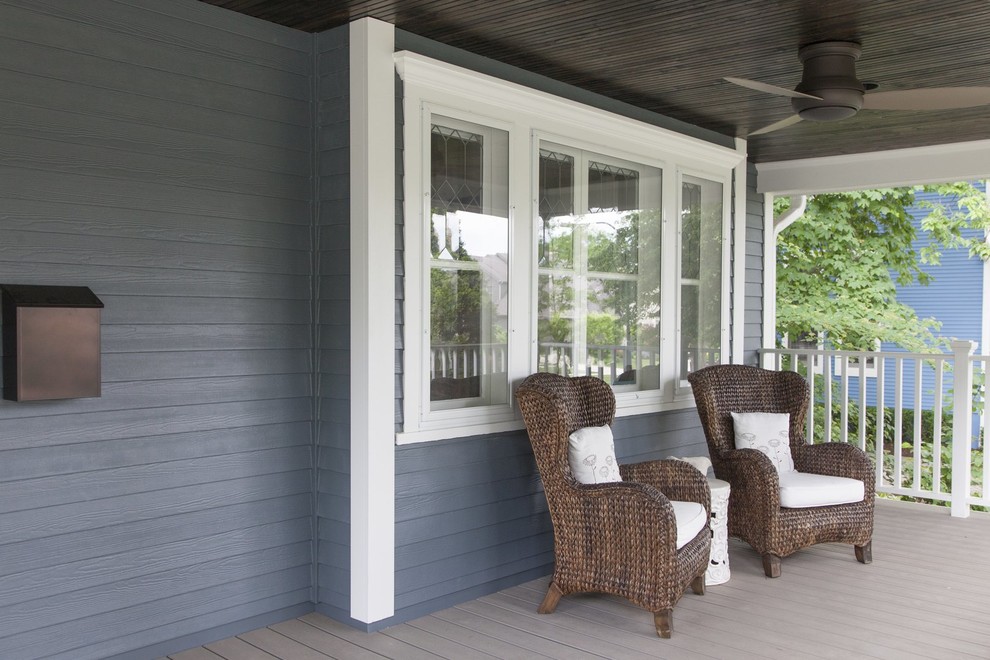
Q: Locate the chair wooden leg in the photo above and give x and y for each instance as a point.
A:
(550, 601)
(864, 553)
(664, 621)
(698, 585)
(771, 565)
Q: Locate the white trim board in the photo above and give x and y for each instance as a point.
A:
(372, 224)
(961, 161)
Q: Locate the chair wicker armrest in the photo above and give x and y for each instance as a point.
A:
(608, 511)
(675, 479)
(836, 459)
(753, 479)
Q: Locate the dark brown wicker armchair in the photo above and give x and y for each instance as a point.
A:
(617, 538)
(755, 514)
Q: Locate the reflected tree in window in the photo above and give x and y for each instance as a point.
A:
(468, 264)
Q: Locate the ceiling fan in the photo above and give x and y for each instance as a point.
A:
(830, 91)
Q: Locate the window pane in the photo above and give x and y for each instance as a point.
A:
(555, 241)
(599, 286)
(612, 188)
(555, 324)
(701, 274)
(468, 265)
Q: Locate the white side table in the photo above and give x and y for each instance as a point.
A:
(718, 567)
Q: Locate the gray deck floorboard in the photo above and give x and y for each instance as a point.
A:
(925, 596)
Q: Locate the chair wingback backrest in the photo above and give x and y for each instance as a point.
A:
(555, 406)
(726, 388)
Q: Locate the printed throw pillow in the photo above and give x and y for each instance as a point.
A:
(591, 452)
(768, 433)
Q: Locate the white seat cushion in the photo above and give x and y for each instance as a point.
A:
(802, 489)
(690, 517)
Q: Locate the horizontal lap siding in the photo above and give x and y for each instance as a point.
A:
(333, 325)
(159, 154)
(471, 518)
(753, 308)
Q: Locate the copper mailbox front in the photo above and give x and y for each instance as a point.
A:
(51, 343)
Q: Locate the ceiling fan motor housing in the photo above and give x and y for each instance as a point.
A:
(829, 73)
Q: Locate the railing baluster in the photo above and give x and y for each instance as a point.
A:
(844, 398)
(937, 426)
(810, 433)
(862, 403)
(983, 432)
(898, 420)
(962, 412)
(827, 395)
(918, 408)
(878, 449)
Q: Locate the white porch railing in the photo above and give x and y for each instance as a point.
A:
(902, 409)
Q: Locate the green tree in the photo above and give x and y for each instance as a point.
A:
(838, 265)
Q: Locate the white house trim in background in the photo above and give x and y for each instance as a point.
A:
(962, 161)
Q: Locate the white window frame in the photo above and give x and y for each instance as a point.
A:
(433, 87)
(682, 389)
(581, 151)
(495, 164)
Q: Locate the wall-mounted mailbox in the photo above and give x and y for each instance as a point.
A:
(51, 342)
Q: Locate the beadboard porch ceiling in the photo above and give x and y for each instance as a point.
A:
(670, 56)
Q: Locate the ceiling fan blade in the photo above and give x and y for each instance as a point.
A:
(783, 123)
(931, 98)
(770, 89)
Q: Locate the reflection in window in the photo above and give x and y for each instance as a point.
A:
(598, 291)
(468, 264)
(701, 274)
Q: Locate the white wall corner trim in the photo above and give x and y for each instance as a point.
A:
(738, 315)
(372, 224)
(960, 161)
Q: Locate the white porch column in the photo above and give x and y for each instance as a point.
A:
(962, 422)
(372, 271)
(739, 257)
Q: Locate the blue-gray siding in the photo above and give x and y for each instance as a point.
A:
(158, 153)
(752, 313)
(333, 325)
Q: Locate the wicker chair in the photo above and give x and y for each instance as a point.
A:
(755, 514)
(617, 538)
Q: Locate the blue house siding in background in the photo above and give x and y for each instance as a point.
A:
(190, 165)
(954, 297)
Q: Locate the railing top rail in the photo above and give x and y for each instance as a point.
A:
(885, 354)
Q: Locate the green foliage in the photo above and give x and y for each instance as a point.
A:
(604, 330)
(960, 206)
(837, 266)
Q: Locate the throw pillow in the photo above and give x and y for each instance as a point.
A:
(591, 452)
(768, 433)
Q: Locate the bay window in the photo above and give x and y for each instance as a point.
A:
(543, 235)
